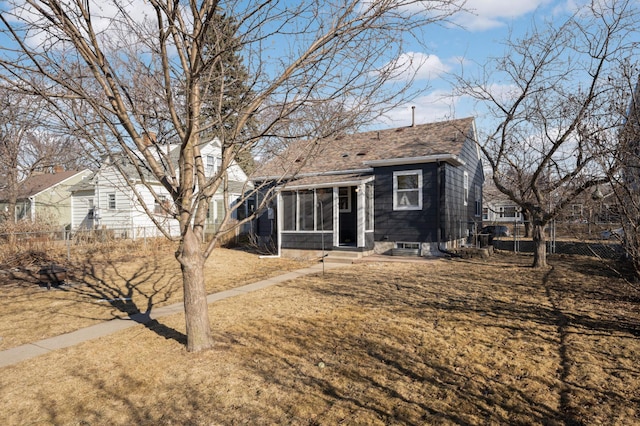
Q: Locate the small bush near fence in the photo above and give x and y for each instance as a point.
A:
(26, 249)
(38, 247)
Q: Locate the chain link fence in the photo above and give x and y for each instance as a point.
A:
(582, 238)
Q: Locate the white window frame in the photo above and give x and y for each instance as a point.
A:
(111, 201)
(465, 185)
(347, 209)
(369, 207)
(211, 165)
(397, 206)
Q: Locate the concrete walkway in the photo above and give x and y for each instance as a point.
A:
(34, 349)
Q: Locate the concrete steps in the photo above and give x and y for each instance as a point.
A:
(342, 256)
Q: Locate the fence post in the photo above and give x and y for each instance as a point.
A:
(67, 238)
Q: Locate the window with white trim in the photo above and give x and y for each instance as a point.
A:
(466, 188)
(211, 165)
(307, 210)
(344, 199)
(369, 207)
(407, 190)
(111, 201)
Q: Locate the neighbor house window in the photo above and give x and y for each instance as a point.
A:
(509, 212)
(407, 190)
(91, 211)
(478, 200)
(161, 205)
(211, 165)
(111, 201)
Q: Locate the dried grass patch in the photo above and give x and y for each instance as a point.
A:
(434, 343)
(114, 281)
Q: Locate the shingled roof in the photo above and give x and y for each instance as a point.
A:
(35, 184)
(357, 152)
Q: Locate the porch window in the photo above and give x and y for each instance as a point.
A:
(308, 210)
(407, 190)
(324, 204)
(289, 211)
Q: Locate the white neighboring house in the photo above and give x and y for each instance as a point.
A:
(106, 201)
(497, 207)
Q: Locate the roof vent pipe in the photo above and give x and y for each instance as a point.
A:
(413, 116)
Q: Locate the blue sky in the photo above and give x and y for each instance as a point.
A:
(476, 36)
(470, 39)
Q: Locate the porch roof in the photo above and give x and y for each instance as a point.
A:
(327, 181)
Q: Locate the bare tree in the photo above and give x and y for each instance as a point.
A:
(553, 101)
(142, 71)
(26, 148)
(624, 170)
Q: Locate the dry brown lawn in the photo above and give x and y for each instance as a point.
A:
(442, 342)
(113, 281)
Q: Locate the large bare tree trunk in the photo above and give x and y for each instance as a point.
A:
(195, 294)
(539, 246)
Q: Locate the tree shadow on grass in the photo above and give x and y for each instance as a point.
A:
(108, 290)
(528, 325)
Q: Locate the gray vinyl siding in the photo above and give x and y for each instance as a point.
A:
(405, 225)
(307, 240)
(457, 219)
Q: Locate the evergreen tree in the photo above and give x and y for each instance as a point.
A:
(225, 89)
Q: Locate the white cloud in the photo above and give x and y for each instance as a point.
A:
(437, 105)
(416, 66)
(486, 14)
(105, 16)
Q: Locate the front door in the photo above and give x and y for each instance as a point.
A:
(347, 213)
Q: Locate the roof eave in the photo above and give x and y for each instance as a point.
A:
(452, 159)
(314, 174)
(354, 182)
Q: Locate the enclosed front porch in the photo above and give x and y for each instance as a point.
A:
(327, 215)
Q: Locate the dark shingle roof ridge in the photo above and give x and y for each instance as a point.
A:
(352, 151)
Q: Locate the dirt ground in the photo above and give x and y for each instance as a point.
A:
(441, 342)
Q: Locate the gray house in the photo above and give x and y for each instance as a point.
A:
(417, 187)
